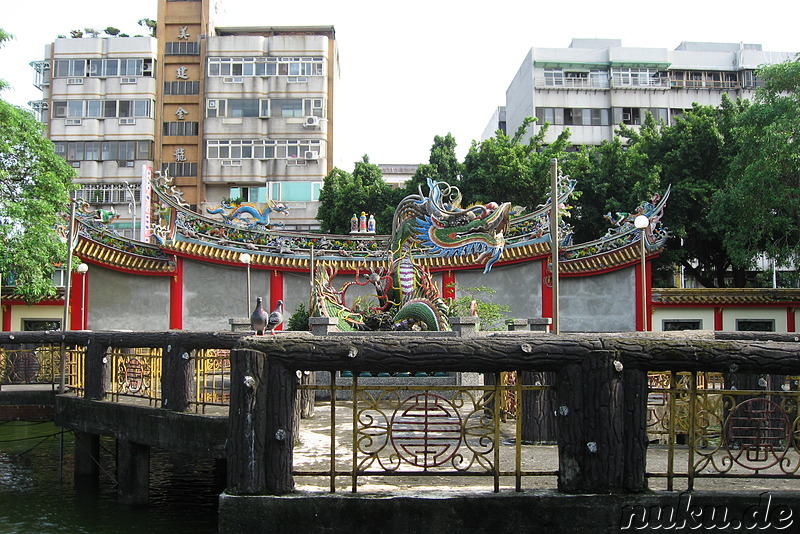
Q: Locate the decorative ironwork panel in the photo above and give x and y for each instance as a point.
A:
(212, 378)
(424, 430)
(748, 433)
(29, 366)
(136, 373)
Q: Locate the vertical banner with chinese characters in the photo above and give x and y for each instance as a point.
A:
(146, 195)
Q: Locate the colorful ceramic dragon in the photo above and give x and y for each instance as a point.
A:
(407, 296)
(249, 214)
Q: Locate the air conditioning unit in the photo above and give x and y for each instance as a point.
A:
(126, 163)
(311, 154)
(127, 121)
(72, 122)
(311, 121)
(626, 117)
(74, 81)
(212, 104)
(75, 164)
(127, 80)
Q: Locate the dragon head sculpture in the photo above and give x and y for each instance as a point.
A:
(440, 227)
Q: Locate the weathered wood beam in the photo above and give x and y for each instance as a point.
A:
(535, 352)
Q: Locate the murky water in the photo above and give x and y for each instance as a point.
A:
(38, 493)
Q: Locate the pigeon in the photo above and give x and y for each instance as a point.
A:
(258, 319)
(276, 317)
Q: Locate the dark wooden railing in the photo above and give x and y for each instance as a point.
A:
(600, 383)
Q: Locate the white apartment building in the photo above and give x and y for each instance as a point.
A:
(230, 113)
(596, 84)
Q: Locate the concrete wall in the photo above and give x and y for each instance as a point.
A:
(120, 301)
(602, 303)
(214, 293)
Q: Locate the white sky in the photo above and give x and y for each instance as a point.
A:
(415, 69)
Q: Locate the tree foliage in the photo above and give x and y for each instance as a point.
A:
(34, 189)
(442, 166)
(758, 209)
(344, 194)
(501, 168)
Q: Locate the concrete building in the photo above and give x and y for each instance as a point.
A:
(229, 113)
(595, 84)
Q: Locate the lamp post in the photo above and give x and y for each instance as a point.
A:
(642, 222)
(245, 258)
(82, 268)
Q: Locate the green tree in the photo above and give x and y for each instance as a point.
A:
(4, 36)
(758, 210)
(344, 194)
(502, 169)
(34, 188)
(442, 166)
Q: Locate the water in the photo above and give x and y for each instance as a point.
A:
(38, 493)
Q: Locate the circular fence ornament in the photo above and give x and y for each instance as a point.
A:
(425, 430)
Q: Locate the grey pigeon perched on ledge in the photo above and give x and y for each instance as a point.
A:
(276, 317)
(259, 318)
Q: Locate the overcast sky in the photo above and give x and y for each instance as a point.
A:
(415, 69)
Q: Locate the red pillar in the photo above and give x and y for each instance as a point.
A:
(645, 322)
(717, 318)
(6, 318)
(176, 297)
(547, 289)
(276, 294)
(449, 286)
(790, 319)
(75, 299)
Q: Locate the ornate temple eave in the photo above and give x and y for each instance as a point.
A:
(121, 260)
(725, 297)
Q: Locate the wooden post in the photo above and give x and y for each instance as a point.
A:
(87, 454)
(177, 378)
(590, 425)
(98, 372)
(306, 398)
(634, 386)
(247, 423)
(538, 408)
(133, 472)
(280, 428)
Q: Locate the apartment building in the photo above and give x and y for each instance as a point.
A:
(239, 113)
(596, 84)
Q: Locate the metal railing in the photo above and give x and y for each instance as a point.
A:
(411, 431)
(39, 365)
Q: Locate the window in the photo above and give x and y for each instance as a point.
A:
(755, 325)
(554, 77)
(242, 107)
(671, 325)
(249, 194)
(41, 325)
(104, 151)
(182, 88)
(180, 169)
(108, 193)
(77, 68)
(180, 128)
(182, 48)
(265, 66)
(101, 108)
(71, 68)
(294, 191)
(638, 77)
(289, 107)
(262, 148)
